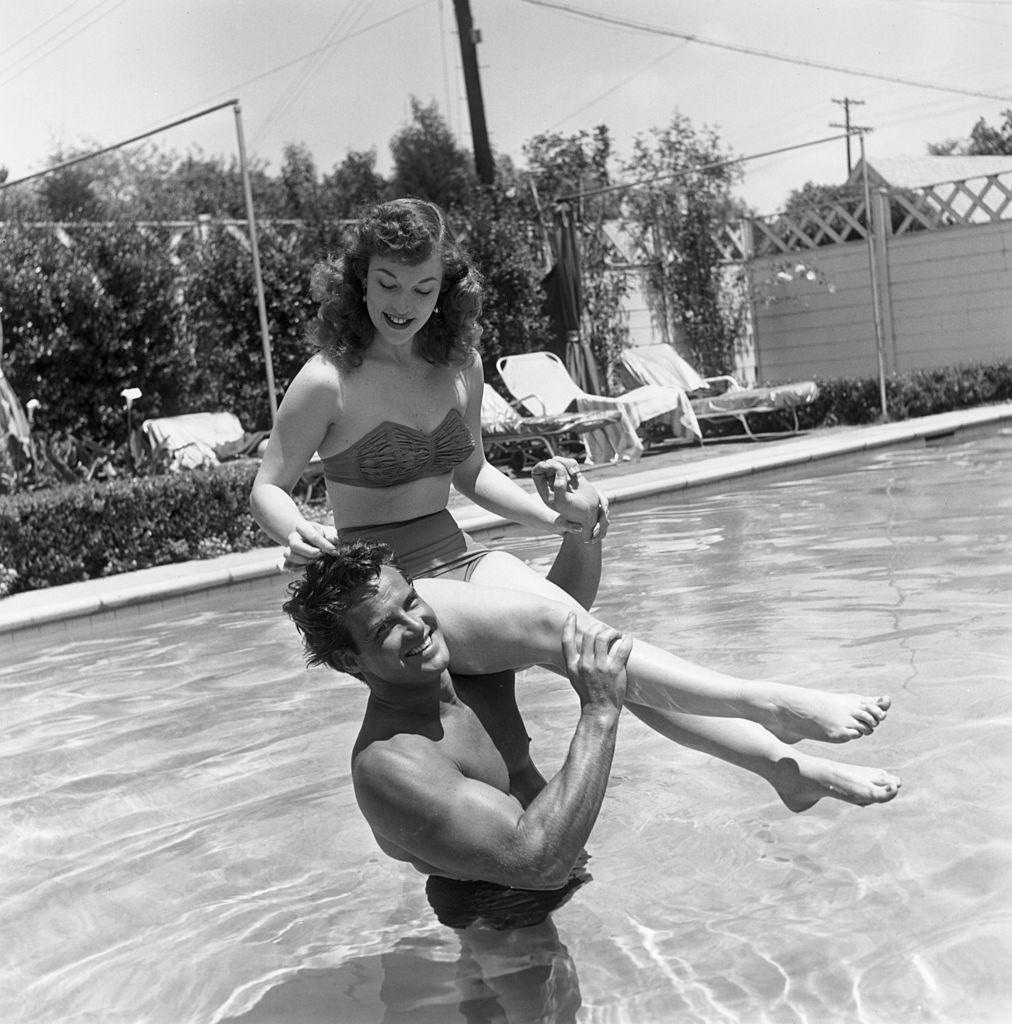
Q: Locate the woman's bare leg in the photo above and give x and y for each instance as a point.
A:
(486, 633)
(800, 779)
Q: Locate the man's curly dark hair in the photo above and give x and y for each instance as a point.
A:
(319, 600)
(408, 230)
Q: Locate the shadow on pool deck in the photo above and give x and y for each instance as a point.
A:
(662, 470)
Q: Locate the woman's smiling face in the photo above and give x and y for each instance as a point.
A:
(400, 297)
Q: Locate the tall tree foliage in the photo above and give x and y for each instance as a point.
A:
(985, 140)
(354, 183)
(674, 218)
(573, 169)
(504, 243)
(428, 162)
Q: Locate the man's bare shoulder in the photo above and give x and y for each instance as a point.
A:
(385, 763)
(402, 780)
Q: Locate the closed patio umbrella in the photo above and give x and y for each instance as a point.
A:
(565, 302)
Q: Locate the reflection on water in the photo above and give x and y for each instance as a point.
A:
(525, 975)
(180, 843)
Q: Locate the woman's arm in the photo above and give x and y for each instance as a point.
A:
(493, 490)
(301, 425)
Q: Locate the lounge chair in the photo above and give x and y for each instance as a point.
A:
(541, 383)
(520, 441)
(202, 440)
(719, 399)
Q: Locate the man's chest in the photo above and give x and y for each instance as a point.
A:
(466, 743)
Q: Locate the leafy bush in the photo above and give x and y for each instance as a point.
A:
(87, 531)
(919, 393)
(85, 315)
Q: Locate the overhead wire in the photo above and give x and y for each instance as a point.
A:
(619, 85)
(232, 90)
(346, 20)
(39, 27)
(56, 41)
(767, 54)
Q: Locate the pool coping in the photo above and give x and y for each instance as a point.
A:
(23, 613)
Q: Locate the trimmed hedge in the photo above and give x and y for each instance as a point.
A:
(86, 531)
(919, 393)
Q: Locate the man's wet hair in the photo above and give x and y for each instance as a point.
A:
(318, 602)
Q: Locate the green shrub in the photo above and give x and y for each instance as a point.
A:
(90, 530)
(919, 393)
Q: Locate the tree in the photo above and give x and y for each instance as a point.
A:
(353, 184)
(569, 165)
(675, 217)
(74, 193)
(428, 163)
(501, 238)
(300, 183)
(984, 140)
(573, 169)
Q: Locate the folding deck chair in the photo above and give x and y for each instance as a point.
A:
(202, 440)
(718, 399)
(520, 441)
(541, 383)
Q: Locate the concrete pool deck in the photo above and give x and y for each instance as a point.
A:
(666, 469)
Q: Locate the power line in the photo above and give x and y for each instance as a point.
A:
(39, 28)
(621, 85)
(10, 70)
(322, 49)
(312, 68)
(754, 52)
(683, 171)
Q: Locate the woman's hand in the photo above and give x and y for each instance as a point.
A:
(563, 488)
(306, 543)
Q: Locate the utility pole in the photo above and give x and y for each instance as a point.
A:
(847, 103)
(469, 38)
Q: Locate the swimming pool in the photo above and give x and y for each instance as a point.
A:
(180, 841)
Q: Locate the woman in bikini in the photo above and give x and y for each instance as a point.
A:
(392, 404)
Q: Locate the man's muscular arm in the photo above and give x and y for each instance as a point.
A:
(464, 828)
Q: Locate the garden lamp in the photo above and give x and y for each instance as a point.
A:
(129, 396)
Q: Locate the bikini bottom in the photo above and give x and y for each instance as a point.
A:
(432, 545)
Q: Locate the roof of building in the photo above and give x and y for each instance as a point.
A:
(919, 171)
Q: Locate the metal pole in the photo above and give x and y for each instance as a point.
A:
(873, 273)
(117, 145)
(257, 276)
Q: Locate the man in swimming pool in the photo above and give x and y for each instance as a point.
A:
(442, 767)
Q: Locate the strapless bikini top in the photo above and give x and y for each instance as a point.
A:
(392, 454)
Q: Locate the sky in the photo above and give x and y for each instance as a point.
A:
(338, 75)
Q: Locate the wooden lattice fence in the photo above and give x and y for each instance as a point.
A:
(926, 281)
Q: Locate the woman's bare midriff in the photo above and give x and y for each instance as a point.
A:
(371, 506)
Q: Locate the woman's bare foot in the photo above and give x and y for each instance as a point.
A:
(795, 713)
(801, 781)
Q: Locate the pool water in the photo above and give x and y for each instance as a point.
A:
(180, 841)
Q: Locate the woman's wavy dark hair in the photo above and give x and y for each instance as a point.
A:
(408, 230)
(319, 600)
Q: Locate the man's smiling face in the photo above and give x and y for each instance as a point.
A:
(397, 634)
